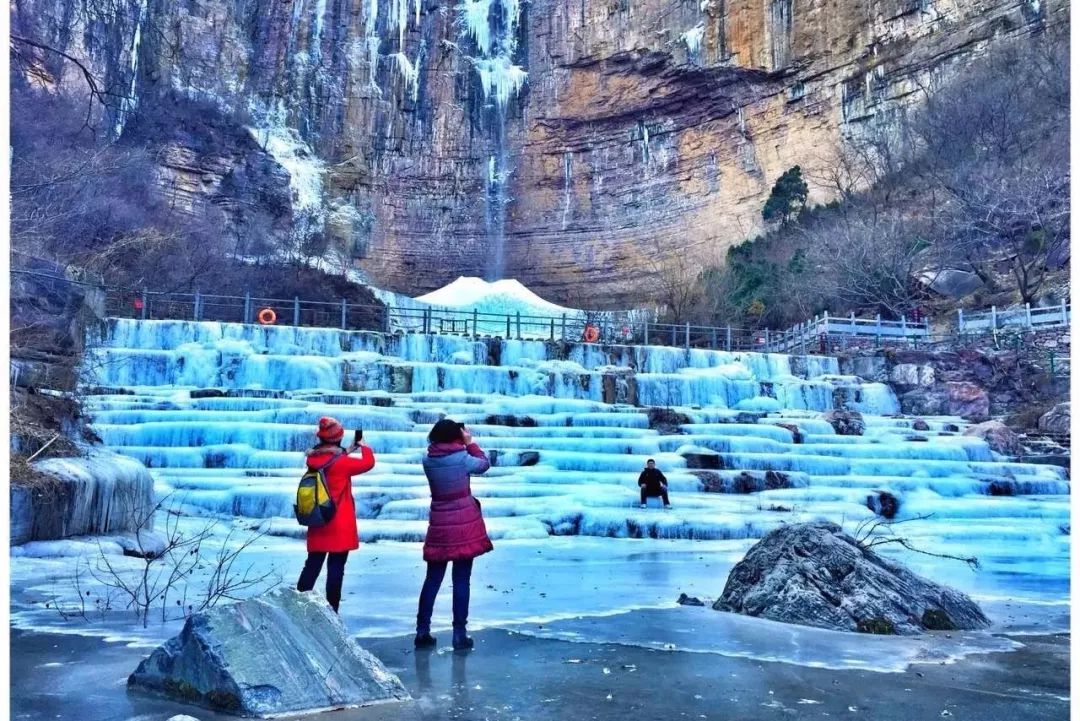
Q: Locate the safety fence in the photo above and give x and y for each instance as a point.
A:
(587, 326)
(825, 329)
(824, 335)
(1026, 317)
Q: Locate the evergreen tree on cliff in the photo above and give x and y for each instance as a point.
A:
(788, 197)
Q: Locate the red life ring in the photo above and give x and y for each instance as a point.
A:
(267, 316)
(592, 334)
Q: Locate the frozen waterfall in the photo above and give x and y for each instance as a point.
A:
(569, 439)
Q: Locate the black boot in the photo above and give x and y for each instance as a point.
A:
(424, 640)
(461, 641)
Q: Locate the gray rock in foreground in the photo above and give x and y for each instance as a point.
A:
(814, 574)
(283, 653)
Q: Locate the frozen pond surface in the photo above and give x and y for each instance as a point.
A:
(586, 590)
(511, 676)
(576, 560)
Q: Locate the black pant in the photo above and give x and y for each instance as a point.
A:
(436, 571)
(650, 493)
(335, 574)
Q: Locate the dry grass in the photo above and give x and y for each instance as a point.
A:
(39, 422)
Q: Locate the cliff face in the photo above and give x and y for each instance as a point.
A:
(562, 142)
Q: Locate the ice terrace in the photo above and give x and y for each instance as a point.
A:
(569, 426)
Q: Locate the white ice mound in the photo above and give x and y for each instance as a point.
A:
(502, 297)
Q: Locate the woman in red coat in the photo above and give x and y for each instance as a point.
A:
(339, 536)
(456, 531)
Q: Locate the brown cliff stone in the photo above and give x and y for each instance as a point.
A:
(630, 140)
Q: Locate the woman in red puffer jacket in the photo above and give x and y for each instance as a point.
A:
(340, 535)
(456, 531)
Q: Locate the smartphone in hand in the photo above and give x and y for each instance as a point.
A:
(357, 437)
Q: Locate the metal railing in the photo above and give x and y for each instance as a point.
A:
(1027, 317)
(604, 327)
(817, 332)
(821, 335)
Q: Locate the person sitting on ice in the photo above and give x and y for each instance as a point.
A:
(653, 484)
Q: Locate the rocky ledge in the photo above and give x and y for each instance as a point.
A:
(814, 574)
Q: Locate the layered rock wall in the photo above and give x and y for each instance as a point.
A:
(403, 132)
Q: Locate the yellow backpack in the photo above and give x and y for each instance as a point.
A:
(314, 507)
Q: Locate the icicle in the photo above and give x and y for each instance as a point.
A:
(317, 30)
(500, 79)
(410, 73)
(473, 14)
(568, 179)
(399, 20)
(693, 39)
(128, 103)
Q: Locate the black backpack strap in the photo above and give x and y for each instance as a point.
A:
(332, 461)
(324, 467)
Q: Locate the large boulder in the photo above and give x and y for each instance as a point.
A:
(845, 423)
(923, 402)
(1056, 420)
(281, 653)
(998, 436)
(967, 400)
(814, 574)
(951, 282)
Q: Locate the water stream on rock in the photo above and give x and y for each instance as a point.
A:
(491, 28)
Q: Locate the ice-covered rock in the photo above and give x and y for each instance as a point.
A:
(814, 574)
(281, 653)
(911, 374)
(796, 434)
(845, 423)
(998, 436)
(513, 458)
(748, 481)
(102, 492)
(701, 458)
(227, 456)
(883, 503)
(666, 420)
